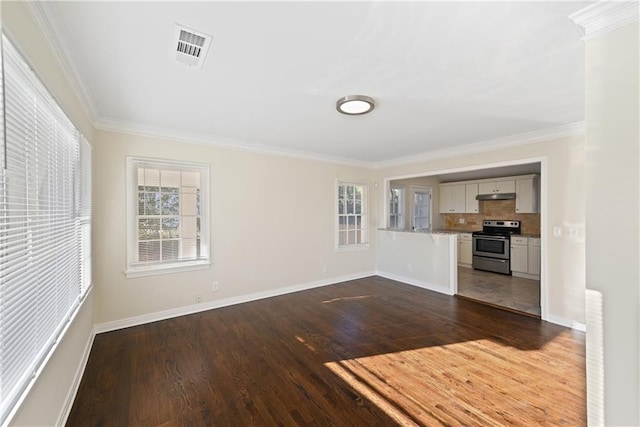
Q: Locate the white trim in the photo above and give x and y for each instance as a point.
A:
(166, 268)
(556, 132)
(73, 391)
(569, 323)
(603, 17)
(177, 135)
(42, 12)
(414, 282)
(196, 308)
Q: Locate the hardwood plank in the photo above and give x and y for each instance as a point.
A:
(365, 352)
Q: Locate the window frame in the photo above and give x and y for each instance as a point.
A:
(401, 217)
(421, 190)
(137, 269)
(364, 244)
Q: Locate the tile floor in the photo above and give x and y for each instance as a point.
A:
(511, 292)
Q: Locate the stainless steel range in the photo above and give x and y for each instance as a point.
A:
(491, 245)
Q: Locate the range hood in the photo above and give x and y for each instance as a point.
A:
(496, 196)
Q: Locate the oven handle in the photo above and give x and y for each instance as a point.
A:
(496, 238)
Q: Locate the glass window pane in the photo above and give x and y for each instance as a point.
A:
(170, 228)
(170, 250)
(350, 192)
(341, 209)
(152, 203)
(341, 192)
(189, 204)
(189, 227)
(148, 228)
(152, 179)
(170, 181)
(350, 207)
(141, 203)
(170, 204)
(149, 251)
(189, 248)
(358, 207)
(342, 238)
(191, 179)
(358, 193)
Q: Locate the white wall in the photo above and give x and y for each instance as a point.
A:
(272, 226)
(613, 212)
(44, 405)
(563, 170)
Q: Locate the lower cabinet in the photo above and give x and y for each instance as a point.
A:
(465, 256)
(525, 257)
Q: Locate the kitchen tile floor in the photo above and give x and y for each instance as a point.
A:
(513, 293)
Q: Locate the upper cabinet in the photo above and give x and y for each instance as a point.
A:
(452, 198)
(528, 194)
(497, 187)
(471, 204)
(460, 197)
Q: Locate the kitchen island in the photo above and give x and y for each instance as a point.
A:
(420, 258)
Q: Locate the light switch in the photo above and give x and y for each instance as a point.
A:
(573, 232)
(557, 231)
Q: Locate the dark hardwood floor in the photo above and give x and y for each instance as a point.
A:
(369, 352)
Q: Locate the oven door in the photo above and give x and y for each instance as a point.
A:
(491, 246)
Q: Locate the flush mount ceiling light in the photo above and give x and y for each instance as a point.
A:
(354, 105)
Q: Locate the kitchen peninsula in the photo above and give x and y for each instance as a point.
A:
(421, 258)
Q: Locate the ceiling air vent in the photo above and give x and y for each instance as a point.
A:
(190, 46)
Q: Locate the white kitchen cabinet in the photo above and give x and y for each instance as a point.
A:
(452, 198)
(519, 255)
(497, 187)
(527, 195)
(525, 257)
(534, 256)
(471, 205)
(465, 255)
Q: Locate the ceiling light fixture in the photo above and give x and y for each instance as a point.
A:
(354, 105)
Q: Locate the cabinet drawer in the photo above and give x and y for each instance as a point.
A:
(519, 240)
(466, 236)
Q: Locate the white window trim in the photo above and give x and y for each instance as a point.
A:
(137, 270)
(365, 207)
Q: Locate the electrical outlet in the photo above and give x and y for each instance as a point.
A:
(215, 286)
(409, 267)
(198, 298)
(325, 268)
(461, 220)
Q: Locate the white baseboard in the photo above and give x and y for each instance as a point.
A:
(73, 390)
(569, 323)
(196, 308)
(415, 282)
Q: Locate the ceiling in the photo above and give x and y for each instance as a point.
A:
(443, 74)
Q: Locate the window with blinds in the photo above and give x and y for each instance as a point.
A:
(45, 226)
(168, 226)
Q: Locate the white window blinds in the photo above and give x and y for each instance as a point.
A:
(45, 226)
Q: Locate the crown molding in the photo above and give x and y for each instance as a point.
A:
(556, 132)
(603, 17)
(176, 135)
(47, 21)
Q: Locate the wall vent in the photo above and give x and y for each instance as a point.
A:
(190, 47)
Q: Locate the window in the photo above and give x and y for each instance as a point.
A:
(396, 207)
(352, 215)
(168, 219)
(421, 208)
(45, 232)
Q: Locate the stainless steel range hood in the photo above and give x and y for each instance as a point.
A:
(496, 196)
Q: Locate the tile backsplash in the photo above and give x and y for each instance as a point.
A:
(493, 209)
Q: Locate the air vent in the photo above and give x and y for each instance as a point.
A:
(190, 46)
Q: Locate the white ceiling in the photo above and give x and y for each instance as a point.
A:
(443, 74)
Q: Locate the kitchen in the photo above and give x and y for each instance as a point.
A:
(494, 213)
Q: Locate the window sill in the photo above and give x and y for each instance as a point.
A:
(353, 248)
(154, 270)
